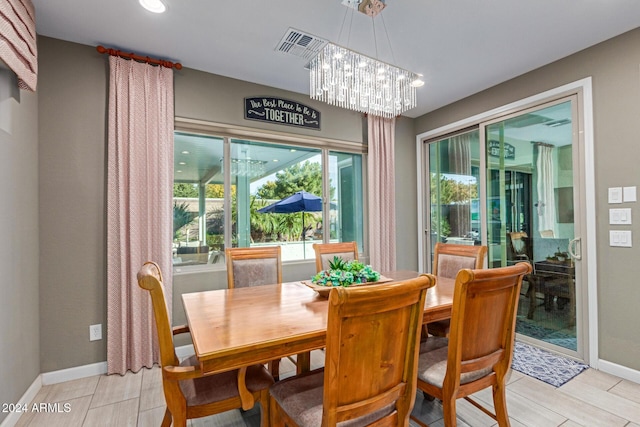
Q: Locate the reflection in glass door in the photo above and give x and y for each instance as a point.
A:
(529, 201)
(454, 177)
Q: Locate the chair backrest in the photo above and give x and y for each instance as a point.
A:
(325, 252)
(150, 278)
(483, 320)
(255, 266)
(449, 258)
(547, 234)
(373, 335)
(518, 246)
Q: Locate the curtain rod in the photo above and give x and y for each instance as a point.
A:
(148, 60)
(544, 144)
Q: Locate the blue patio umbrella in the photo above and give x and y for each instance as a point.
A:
(300, 201)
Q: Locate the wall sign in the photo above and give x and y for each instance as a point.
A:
(281, 111)
(493, 149)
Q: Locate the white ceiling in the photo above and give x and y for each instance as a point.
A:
(460, 46)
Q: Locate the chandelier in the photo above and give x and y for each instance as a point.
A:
(249, 168)
(342, 77)
(347, 79)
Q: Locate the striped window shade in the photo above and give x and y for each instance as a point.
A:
(18, 48)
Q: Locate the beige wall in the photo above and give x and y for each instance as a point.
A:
(19, 304)
(72, 91)
(614, 67)
(204, 96)
(406, 195)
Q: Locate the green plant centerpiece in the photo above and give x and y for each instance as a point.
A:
(345, 273)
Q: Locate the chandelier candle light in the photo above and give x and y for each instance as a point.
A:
(347, 79)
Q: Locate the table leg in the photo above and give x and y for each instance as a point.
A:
(303, 362)
(531, 293)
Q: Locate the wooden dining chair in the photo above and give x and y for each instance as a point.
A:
(325, 252)
(189, 392)
(370, 360)
(479, 350)
(257, 266)
(448, 259)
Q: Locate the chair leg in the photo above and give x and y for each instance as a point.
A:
(264, 408)
(274, 368)
(449, 410)
(500, 404)
(274, 413)
(166, 421)
(427, 396)
(424, 335)
(439, 329)
(179, 420)
(531, 294)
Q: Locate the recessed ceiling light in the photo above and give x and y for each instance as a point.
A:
(181, 163)
(418, 82)
(185, 152)
(276, 160)
(155, 6)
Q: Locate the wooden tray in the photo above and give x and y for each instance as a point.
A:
(324, 290)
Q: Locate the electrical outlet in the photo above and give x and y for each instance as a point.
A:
(95, 332)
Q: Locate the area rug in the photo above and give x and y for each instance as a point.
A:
(543, 365)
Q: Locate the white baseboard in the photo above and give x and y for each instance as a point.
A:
(26, 399)
(100, 368)
(74, 373)
(619, 371)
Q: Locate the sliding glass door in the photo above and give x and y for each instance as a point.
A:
(530, 187)
(511, 184)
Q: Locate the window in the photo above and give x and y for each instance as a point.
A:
(198, 200)
(264, 174)
(345, 193)
(222, 183)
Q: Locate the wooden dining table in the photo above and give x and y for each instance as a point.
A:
(233, 328)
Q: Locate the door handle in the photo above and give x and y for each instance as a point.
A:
(574, 244)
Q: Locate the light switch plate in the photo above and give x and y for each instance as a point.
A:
(620, 238)
(629, 194)
(620, 216)
(615, 195)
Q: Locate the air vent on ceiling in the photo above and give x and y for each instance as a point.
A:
(299, 43)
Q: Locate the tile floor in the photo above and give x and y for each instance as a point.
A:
(592, 398)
